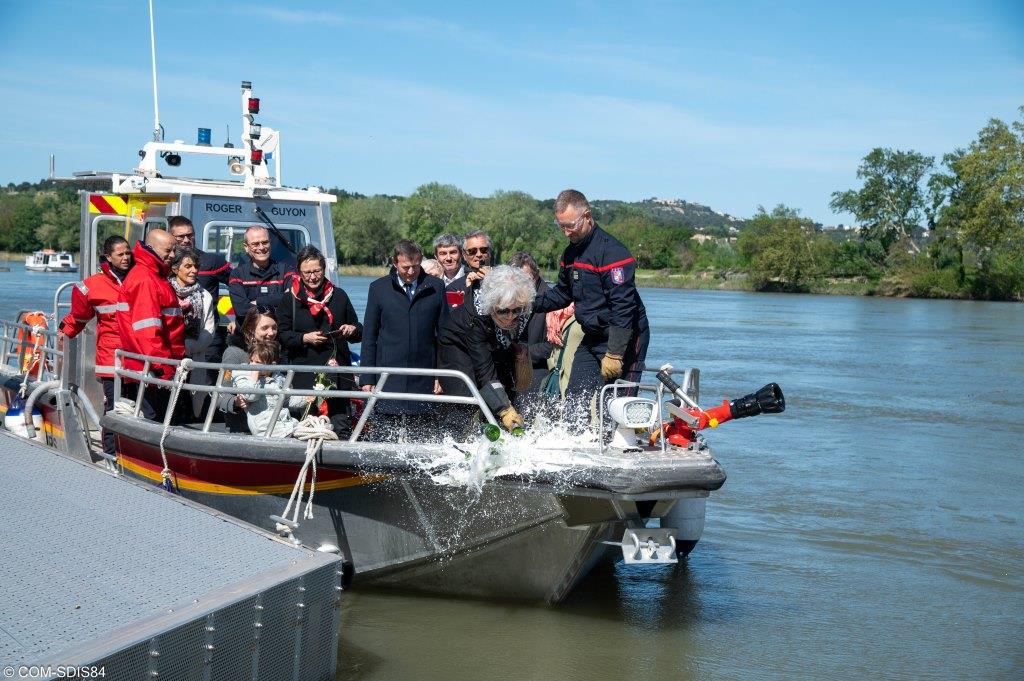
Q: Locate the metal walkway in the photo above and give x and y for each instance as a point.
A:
(98, 570)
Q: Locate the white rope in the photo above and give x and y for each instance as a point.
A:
(180, 374)
(124, 407)
(313, 430)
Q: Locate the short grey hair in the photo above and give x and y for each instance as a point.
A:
(571, 197)
(446, 240)
(476, 234)
(506, 287)
(245, 237)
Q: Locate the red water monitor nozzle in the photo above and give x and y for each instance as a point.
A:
(767, 400)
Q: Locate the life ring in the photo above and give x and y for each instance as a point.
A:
(29, 341)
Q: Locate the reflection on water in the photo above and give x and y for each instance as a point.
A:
(876, 529)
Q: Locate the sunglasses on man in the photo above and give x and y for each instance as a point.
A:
(483, 250)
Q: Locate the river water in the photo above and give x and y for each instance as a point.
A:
(874, 530)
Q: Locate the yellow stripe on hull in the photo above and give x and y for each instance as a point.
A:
(214, 488)
(48, 428)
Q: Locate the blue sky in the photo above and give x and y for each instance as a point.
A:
(733, 105)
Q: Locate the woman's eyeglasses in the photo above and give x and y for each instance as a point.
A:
(483, 250)
(506, 311)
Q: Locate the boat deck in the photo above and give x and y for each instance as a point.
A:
(101, 571)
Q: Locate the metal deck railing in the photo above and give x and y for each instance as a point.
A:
(52, 372)
(690, 384)
(16, 349)
(145, 379)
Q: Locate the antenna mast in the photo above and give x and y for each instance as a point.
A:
(158, 134)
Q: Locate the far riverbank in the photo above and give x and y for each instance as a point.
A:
(711, 280)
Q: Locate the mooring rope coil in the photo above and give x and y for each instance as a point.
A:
(313, 430)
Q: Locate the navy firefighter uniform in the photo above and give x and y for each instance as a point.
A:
(250, 286)
(597, 274)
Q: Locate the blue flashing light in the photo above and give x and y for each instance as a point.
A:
(204, 137)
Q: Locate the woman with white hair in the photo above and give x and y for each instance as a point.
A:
(485, 346)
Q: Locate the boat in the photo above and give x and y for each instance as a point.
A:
(513, 518)
(49, 260)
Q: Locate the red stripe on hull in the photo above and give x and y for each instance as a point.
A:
(224, 472)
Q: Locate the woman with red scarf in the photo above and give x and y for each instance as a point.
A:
(315, 322)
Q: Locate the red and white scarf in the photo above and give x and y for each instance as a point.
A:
(303, 294)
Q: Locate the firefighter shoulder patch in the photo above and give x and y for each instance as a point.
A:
(618, 275)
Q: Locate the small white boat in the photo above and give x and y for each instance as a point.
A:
(49, 260)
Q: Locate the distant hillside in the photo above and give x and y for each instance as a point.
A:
(696, 216)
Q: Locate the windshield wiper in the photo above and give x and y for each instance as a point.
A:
(275, 229)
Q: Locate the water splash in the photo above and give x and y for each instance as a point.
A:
(552, 446)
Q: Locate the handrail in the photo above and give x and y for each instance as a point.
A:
(690, 378)
(144, 378)
(56, 301)
(47, 350)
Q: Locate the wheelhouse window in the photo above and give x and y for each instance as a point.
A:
(228, 239)
(114, 225)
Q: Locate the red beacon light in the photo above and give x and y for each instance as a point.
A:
(256, 157)
(254, 105)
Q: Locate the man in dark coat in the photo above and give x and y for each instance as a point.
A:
(403, 310)
(476, 251)
(536, 335)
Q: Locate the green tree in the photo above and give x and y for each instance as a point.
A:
(655, 246)
(59, 220)
(366, 229)
(891, 201)
(514, 222)
(19, 220)
(781, 249)
(978, 205)
(435, 208)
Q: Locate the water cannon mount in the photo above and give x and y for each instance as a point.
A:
(688, 417)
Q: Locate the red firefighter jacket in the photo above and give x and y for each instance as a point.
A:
(149, 315)
(97, 297)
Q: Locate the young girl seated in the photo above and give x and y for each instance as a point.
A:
(260, 408)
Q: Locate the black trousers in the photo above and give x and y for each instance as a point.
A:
(106, 436)
(585, 379)
(153, 402)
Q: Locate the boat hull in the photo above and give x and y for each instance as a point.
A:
(47, 268)
(509, 540)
